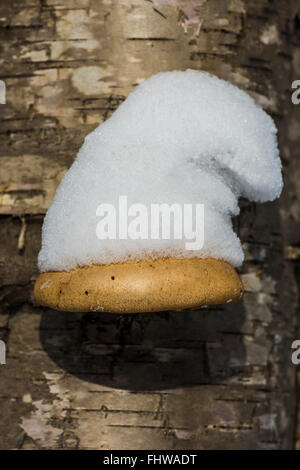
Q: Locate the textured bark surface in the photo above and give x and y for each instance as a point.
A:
(213, 378)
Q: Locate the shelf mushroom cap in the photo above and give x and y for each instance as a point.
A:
(143, 286)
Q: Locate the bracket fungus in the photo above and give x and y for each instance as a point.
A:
(180, 138)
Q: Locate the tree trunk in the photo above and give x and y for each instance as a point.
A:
(217, 378)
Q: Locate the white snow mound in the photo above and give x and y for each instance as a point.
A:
(180, 137)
